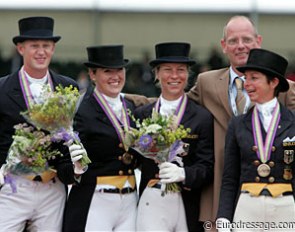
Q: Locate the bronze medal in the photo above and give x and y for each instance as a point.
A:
(263, 170)
(127, 158)
(287, 173)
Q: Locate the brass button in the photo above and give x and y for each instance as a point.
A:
(255, 148)
(271, 164)
(119, 157)
(257, 179)
(271, 179)
(121, 145)
(129, 171)
(256, 162)
(273, 148)
(121, 173)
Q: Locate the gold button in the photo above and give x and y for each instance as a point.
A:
(129, 171)
(121, 172)
(271, 179)
(271, 164)
(273, 148)
(121, 145)
(257, 179)
(256, 162)
(255, 148)
(119, 157)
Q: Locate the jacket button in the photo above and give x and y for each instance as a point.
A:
(119, 157)
(273, 148)
(121, 145)
(257, 179)
(121, 173)
(271, 179)
(271, 164)
(129, 171)
(256, 162)
(157, 175)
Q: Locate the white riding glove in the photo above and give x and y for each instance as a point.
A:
(223, 225)
(76, 152)
(170, 173)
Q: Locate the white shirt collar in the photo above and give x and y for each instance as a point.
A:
(168, 107)
(233, 75)
(267, 107)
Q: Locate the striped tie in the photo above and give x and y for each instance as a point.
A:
(240, 99)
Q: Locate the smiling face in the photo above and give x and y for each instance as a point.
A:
(173, 79)
(259, 88)
(239, 38)
(36, 55)
(108, 81)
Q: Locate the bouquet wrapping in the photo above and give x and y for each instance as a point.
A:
(159, 138)
(55, 113)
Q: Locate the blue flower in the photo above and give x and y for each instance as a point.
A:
(145, 141)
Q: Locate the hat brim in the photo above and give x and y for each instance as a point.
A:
(154, 63)
(284, 85)
(19, 39)
(98, 65)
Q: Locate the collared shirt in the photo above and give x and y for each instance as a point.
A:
(265, 112)
(36, 85)
(232, 93)
(168, 107)
(115, 104)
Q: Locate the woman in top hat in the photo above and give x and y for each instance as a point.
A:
(176, 211)
(258, 183)
(105, 199)
(38, 199)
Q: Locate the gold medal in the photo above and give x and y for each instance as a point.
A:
(263, 170)
(127, 158)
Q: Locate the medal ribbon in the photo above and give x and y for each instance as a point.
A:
(24, 83)
(264, 149)
(179, 112)
(112, 116)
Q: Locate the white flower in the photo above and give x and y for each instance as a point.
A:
(153, 128)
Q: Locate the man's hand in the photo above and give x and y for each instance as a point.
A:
(76, 152)
(170, 173)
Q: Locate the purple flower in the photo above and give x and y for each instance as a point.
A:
(11, 181)
(145, 142)
(175, 149)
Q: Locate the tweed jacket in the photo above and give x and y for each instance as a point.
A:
(240, 165)
(12, 103)
(198, 164)
(211, 91)
(105, 150)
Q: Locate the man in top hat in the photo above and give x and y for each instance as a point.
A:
(258, 182)
(106, 198)
(176, 211)
(38, 199)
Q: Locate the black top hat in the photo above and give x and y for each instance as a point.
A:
(35, 28)
(172, 53)
(268, 63)
(110, 56)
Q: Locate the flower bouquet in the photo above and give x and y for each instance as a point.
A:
(29, 153)
(55, 113)
(158, 138)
